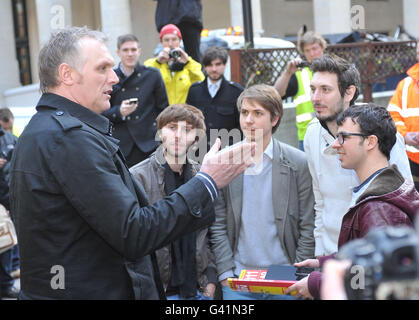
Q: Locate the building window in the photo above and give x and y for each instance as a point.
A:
(22, 41)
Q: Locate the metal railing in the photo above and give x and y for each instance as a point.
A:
(376, 61)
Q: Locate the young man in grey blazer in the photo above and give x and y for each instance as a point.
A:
(269, 214)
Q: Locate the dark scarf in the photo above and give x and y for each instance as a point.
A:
(183, 276)
(175, 66)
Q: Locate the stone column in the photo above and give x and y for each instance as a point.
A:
(411, 17)
(9, 77)
(51, 16)
(116, 20)
(236, 15)
(332, 16)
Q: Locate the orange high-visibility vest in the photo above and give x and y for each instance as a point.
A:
(404, 108)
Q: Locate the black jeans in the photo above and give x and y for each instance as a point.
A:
(191, 35)
(6, 280)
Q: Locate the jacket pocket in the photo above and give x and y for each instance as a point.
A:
(225, 111)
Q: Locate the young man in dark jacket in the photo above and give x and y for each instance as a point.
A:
(134, 121)
(217, 97)
(187, 266)
(365, 136)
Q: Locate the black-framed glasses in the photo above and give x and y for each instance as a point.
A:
(342, 135)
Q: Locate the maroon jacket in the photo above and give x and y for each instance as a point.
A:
(388, 201)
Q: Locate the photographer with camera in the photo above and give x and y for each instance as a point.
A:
(365, 137)
(179, 71)
(295, 81)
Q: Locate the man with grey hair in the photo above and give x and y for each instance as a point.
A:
(85, 227)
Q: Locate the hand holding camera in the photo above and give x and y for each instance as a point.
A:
(175, 54)
(296, 64)
(128, 106)
(179, 55)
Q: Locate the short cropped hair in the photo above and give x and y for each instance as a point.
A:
(346, 72)
(63, 47)
(373, 120)
(268, 97)
(213, 53)
(181, 112)
(6, 115)
(312, 37)
(125, 38)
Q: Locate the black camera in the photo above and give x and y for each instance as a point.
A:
(303, 64)
(175, 54)
(384, 265)
(7, 154)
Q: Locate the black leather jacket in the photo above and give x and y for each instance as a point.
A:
(77, 206)
(7, 145)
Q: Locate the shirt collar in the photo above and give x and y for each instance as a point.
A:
(269, 151)
(123, 71)
(217, 84)
(92, 119)
(356, 189)
(256, 168)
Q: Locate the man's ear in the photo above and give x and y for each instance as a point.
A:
(349, 93)
(275, 121)
(66, 74)
(372, 141)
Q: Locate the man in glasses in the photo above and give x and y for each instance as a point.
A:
(365, 136)
(335, 86)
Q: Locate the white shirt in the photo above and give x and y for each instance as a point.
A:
(213, 87)
(332, 185)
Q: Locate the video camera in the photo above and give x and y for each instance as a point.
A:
(385, 265)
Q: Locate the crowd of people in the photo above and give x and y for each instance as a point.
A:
(104, 180)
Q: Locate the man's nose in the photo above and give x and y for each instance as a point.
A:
(336, 144)
(315, 95)
(249, 118)
(180, 132)
(113, 79)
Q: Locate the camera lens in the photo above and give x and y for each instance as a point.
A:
(175, 54)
